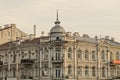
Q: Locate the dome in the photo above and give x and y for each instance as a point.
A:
(57, 29)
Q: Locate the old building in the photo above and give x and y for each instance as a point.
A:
(11, 33)
(60, 56)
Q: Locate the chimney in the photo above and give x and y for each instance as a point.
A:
(13, 25)
(112, 39)
(86, 36)
(107, 37)
(34, 26)
(68, 33)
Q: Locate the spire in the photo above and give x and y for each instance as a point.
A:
(57, 22)
(57, 14)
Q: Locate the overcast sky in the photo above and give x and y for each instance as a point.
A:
(93, 17)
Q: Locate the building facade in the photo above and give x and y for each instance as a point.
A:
(11, 33)
(60, 56)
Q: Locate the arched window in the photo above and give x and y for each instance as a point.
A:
(93, 71)
(70, 53)
(86, 55)
(79, 54)
(103, 71)
(79, 70)
(70, 69)
(86, 71)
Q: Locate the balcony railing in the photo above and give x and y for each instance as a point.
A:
(27, 61)
(57, 60)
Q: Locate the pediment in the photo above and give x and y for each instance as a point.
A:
(104, 43)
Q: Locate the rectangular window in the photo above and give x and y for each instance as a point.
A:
(93, 56)
(86, 57)
(79, 70)
(57, 72)
(79, 56)
(70, 55)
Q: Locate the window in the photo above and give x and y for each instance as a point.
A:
(57, 72)
(8, 33)
(93, 55)
(103, 71)
(117, 56)
(86, 55)
(79, 54)
(45, 53)
(79, 70)
(103, 56)
(14, 56)
(111, 56)
(14, 72)
(86, 71)
(118, 71)
(57, 56)
(93, 71)
(29, 54)
(70, 53)
(69, 69)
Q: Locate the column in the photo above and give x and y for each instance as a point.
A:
(17, 59)
(9, 64)
(75, 62)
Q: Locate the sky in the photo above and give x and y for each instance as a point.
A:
(93, 17)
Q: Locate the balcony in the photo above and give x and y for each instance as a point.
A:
(57, 60)
(1, 63)
(27, 61)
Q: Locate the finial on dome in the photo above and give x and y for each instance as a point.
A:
(57, 14)
(57, 20)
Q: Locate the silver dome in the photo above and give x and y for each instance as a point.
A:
(57, 29)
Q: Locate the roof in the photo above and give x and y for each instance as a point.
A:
(88, 39)
(57, 29)
(93, 40)
(113, 43)
(5, 28)
(35, 40)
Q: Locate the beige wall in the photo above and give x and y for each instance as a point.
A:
(10, 33)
